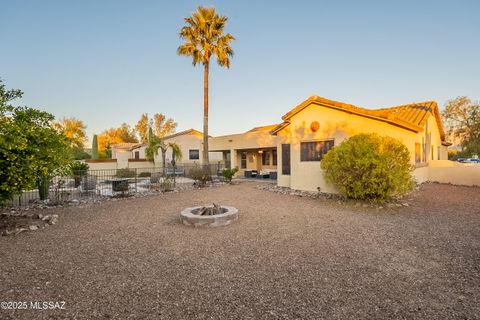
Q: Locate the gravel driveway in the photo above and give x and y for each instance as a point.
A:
(287, 257)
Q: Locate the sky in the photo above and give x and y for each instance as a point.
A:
(107, 62)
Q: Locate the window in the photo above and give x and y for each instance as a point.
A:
(286, 159)
(417, 153)
(243, 161)
(424, 150)
(193, 154)
(432, 154)
(266, 158)
(314, 150)
(438, 153)
(274, 157)
(137, 155)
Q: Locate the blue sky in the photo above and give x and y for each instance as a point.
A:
(106, 62)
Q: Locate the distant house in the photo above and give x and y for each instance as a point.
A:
(294, 148)
(125, 152)
(191, 145)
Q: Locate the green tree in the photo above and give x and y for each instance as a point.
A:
(368, 166)
(203, 38)
(155, 143)
(31, 151)
(95, 147)
(462, 123)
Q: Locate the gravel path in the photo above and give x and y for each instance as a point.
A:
(287, 257)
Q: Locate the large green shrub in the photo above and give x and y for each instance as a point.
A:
(31, 151)
(369, 166)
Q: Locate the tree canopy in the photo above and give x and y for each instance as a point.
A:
(30, 149)
(462, 123)
(73, 129)
(122, 134)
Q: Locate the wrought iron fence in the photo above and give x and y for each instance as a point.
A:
(93, 184)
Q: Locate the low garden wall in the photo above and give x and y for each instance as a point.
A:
(446, 171)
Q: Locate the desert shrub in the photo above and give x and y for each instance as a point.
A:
(167, 183)
(229, 173)
(369, 166)
(144, 174)
(125, 173)
(200, 175)
(78, 169)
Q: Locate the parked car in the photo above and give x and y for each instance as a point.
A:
(471, 160)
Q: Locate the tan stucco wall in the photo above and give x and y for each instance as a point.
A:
(187, 142)
(446, 171)
(338, 125)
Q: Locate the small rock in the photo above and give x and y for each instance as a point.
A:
(33, 227)
(405, 204)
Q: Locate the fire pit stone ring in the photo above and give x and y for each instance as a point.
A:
(189, 217)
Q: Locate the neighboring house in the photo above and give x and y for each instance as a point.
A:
(316, 125)
(125, 152)
(255, 149)
(191, 145)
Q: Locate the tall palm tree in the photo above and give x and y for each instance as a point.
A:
(203, 38)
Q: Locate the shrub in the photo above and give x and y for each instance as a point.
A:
(144, 174)
(125, 173)
(368, 166)
(78, 169)
(229, 173)
(200, 175)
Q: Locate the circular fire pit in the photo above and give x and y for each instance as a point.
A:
(209, 216)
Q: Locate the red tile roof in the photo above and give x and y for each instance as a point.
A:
(410, 116)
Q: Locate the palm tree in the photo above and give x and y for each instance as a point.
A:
(155, 143)
(204, 37)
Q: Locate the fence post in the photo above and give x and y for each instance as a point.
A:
(136, 180)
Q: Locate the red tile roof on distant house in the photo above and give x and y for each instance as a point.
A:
(127, 146)
(188, 131)
(263, 128)
(410, 116)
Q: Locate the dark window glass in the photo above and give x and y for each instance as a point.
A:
(314, 150)
(193, 154)
(286, 159)
(266, 158)
(274, 157)
(244, 160)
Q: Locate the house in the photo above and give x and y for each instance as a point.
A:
(254, 150)
(191, 146)
(316, 125)
(297, 145)
(128, 152)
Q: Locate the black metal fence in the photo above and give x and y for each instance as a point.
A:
(93, 184)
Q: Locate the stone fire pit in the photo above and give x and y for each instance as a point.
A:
(209, 216)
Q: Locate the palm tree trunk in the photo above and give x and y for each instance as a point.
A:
(205, 116)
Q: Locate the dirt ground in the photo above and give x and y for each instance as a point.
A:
(287, 257)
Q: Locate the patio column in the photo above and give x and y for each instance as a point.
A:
(233, 158)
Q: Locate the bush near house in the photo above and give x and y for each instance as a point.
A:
(369, 166)
(229, 173)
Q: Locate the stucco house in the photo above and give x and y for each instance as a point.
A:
(316, 125)
(254, 150)
(191, 145)
(294, 148)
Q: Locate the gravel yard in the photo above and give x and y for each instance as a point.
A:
(287, 257)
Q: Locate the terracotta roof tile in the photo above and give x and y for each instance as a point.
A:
(409, 116)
